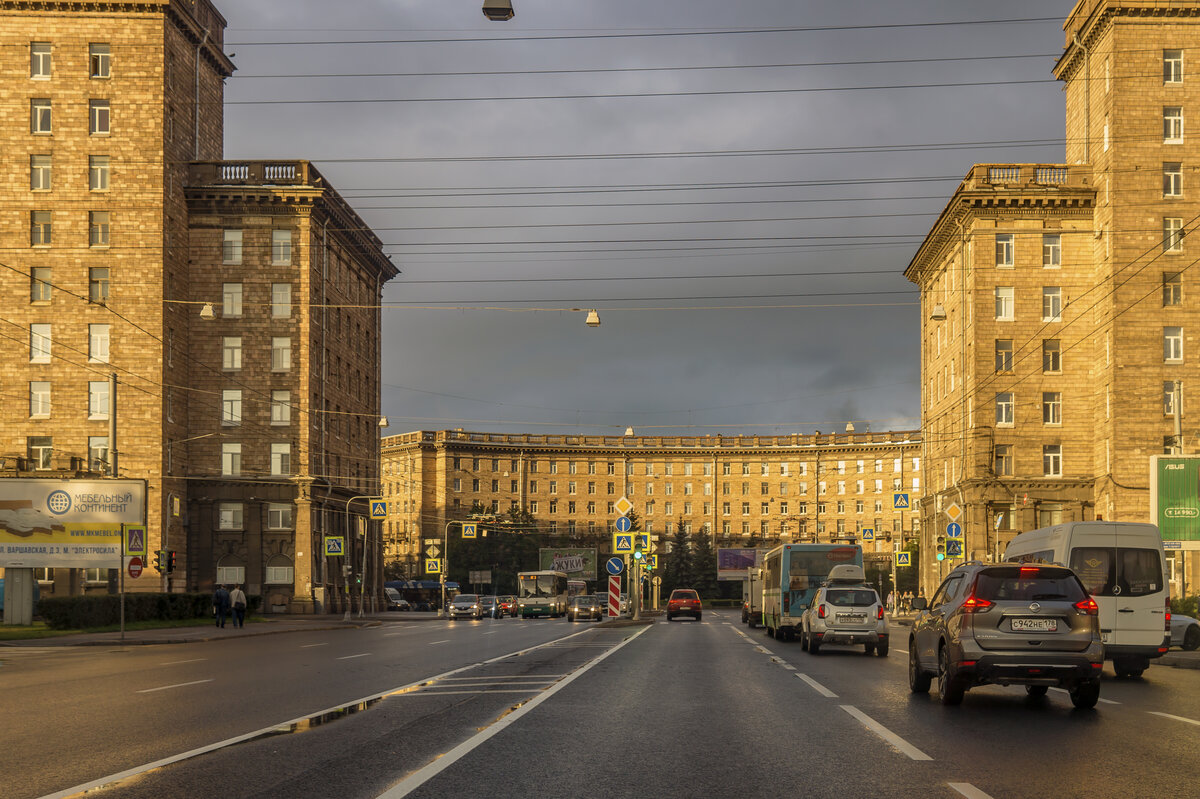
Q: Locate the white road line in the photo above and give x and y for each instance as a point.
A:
(169, 687)
(765, 651)
(968, 790)
(389, 635)
(431, 643)
(1176, 718)
(887, 735)
(352, 657)
(310, 646)
(821, 689)
(436, 692)
(177, 662)
(1105, 701)
(423, 775)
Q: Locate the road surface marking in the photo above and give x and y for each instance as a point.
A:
(968, 790)
(169, 687)
(439, 642)
(177, 662)
(781, 662)
(765, 651)
(352, 657)
(423, 775)
(1105, 701)
(821, 689)
(389, 635)
(883, 732)
(1176, 718)
(309, 646)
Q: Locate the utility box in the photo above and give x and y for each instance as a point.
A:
(19, 588)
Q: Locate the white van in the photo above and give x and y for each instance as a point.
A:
(1123, 567)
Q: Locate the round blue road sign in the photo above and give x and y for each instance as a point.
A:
(623, 524)
(614, 566)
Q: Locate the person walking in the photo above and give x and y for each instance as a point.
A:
(221, 605)
(238, 600)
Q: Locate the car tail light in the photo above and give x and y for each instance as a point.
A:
(821, 611)
(879, 613)
(1028, 572)
(1167, 623)
(974, 604)
(1087, 606)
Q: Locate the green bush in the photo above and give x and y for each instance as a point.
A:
(1186, 606)
(104, 610)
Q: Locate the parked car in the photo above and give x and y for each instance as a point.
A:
(683, 602)
(490, 606)
(465, 605)
(1185, 632)
(1007, 624)
(508, 604)
(624, 603)
(846, 611)
(583, 606)
(394, 600)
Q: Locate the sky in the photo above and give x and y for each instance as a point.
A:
(735, 187)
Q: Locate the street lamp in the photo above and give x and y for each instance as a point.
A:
(498, 10)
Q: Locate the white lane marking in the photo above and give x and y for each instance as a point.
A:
(765, 651)
(533, 689)
(1105, 701)
(898, 649)
(169, 687)
(310, 646)
(821, 689)
(1176, 718)
(968, 790)
(423, 775)
(352, 657)
(177, 662)
(887, 735)
(439, 642)
(491, 632)
(389, 635)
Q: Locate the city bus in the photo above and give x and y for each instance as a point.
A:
(576, 587)
(542, 593)
(792, 573)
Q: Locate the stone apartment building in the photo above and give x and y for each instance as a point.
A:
(1058, 300)
(821, 487)
(235, 302)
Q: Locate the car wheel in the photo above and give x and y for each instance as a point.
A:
(1191, 638)
(951, 687)
(881, 649)
(803, 641)
(814, 646)
(1036, 690)
(770, 631)
(918, 680)
(1129, 666)
(697, 617)
(1085, 694)
(869, 649)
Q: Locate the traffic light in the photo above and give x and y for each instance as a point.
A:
(637, 551)
(941, 547)
(159, 566)
(170, 561)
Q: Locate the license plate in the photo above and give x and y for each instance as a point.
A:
(1036, 625)
(852, 617)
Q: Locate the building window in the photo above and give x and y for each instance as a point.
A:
(281, 407)
(98, 118)
(40, 116)
(281, 246)
(231, 303)
(98, 228)
(97, 399)
(1004, 409)
(41, 231)
(1172, 288)
(1004, 355)
(281, 458)
(98, 453)
(231, 459)
(39, 284)
(1052, 460)
(98, 284)
(229, 516)
(231, 247)
(1173, 179)
(1004, 303)
(99, 60)
(1051, 250)
(281, 354)
(40, 450)
(231, 407)
(281, 300)
(39, 60)
(1051, 407)
(1172, 66)
(1172, 234)
(98, 343)
(39, 172)
(231, 353)
(1005, 248)
(1173, 344)
(280, 516)
(39, 399)
(39, 343)
(1173, 124)
(99, 169)
(1051, 355)
(1169, 398)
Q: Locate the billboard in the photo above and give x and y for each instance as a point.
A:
(1175, 498)
(732, 563)
(67, 523)
(578, 563)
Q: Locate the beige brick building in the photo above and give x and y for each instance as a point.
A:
(1057, 299)
(236, 303)
(736, 489)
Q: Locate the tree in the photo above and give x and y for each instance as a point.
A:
(677, 564)
(704, 566)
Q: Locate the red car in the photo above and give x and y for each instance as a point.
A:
(508, 604)
(683, 602)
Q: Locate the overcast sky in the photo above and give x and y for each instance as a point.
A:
(739, 204)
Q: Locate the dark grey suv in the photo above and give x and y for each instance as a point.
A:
(1007, 624)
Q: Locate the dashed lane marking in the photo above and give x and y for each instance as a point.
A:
(968, 790)
(176, 685)
(816, 686)
(887, 735)
(1176, 718)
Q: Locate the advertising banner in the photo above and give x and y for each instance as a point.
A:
(732, 563)
(67, 523)
(577, 563)
(1175, 498)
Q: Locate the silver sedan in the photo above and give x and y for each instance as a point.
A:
(1185, 632)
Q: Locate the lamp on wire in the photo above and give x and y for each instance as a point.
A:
(593, 318)
(498, 10)
(207, 312)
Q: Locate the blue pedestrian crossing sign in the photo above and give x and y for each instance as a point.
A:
(643, 541)
(623, 543)
(378, 508)
(868, 534)
(954, 548)
(470, 530)
(335, 545)
(903, 558)
(433, 565)
(900, 501)
(135, 540)
(624, 524)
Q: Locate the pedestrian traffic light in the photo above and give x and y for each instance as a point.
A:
(170, 561)
(941, 547)
(637, 551)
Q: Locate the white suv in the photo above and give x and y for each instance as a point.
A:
(845, 611)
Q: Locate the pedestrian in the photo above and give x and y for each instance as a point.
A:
(220, 605)
(238, 599)
(891, 602)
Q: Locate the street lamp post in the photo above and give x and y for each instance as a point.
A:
(445, 563)
(363, 585)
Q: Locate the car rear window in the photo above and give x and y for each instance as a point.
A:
(1118, 571)
(847, 597)
(1028, 585)
(684, 594)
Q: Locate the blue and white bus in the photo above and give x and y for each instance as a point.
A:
(541, 593)
(792, 573)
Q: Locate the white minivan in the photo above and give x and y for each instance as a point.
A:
(1123, 567)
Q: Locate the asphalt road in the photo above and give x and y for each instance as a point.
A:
(549, 709)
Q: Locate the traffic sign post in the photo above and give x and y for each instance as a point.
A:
(622, 543)
(470, 530)
(614, 566)
(624, 524)
(903, 558)
(135, 567)
(378, 508)
(954, 530)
